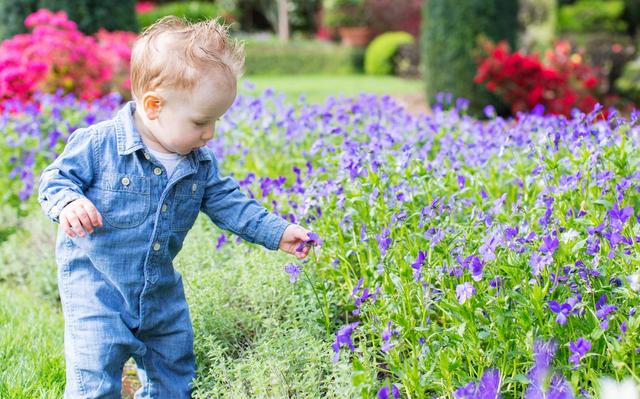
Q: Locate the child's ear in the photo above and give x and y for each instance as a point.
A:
(151, 102)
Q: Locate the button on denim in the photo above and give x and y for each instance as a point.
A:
(121, 296)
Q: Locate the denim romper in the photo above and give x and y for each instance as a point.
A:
(121, 296)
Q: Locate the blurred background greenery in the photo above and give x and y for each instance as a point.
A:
(432, 44)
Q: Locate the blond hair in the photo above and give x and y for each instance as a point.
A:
(174, 53)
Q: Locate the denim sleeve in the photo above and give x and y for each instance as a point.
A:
(67, 178)
(232, 210)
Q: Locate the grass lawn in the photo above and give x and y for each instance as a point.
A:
(31, 346)
(317, 88)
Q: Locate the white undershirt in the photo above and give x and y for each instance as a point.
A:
(169, 160)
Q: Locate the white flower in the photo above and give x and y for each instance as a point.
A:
(569, 235)
(611, 389)
(634, 281)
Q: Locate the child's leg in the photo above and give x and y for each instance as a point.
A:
(97, 340)
(95, 355)
(167, 368)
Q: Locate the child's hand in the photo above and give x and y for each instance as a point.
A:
(293, 240)
(78, 215)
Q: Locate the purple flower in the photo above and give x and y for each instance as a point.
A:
(549, 245)
(562, 311)
(558, 388)
(618, 217)
(312, 241)
(538, 262)
(221, 240)
(387, 334)
(343, 338)
(461, 181)
(293, 271)
(487, 388)
(603, 311)
(417, 265)
(384, 241)
(383, 393)
(489, 111)
(464, 291)
(578, 349)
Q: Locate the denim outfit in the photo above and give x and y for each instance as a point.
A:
(121, 296)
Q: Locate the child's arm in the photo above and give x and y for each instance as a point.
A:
(66, 179)
(231, 210)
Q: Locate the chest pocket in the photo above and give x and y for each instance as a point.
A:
(124, 200)
(187, 202)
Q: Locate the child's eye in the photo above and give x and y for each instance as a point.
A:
(201, 124)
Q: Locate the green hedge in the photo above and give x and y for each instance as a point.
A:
(450, 33)
(90, 15)
(194, 11)
(629, 83)
(271, 57)
(378, 59)
(592, 16)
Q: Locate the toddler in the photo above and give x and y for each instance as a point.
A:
(126, 191)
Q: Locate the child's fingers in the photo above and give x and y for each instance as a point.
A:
(84, 219)
(75, 224)
(66, 226)
(92, 212)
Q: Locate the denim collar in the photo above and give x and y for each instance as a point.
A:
(129, 139)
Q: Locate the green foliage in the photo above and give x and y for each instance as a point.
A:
(450, 34)
(538, 19)
(194, 11)
(271, 57)
(378, 58)
(344, 13)
(26, 257)
(12, 15)
(256, 334)
(592, 16)
(629, 83)
(632, 15)
(31, 347)
(90, 15)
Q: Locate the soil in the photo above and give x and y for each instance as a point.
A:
(130, 382)
(415, 103)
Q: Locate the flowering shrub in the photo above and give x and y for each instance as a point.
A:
(56, 55)
(464, 258)
(34, 133)
(459, 257)
(143, 7)
(560, 82)
(116, 48)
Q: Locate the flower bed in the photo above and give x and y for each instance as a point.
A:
(459, 256)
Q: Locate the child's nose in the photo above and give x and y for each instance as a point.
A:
(208, 133)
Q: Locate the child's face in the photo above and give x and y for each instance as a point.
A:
(186, 119)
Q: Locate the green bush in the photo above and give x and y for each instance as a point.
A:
(631, 15)
(271, 57)
(194, 11)
(592, 16)
(629, 83)
(450, 34)
(378, 58)
(88, 14)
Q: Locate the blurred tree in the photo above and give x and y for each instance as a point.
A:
(12, 15)
(283, 21)
(537, 19)
(450, 35)
(632, 16)
(257, 15)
